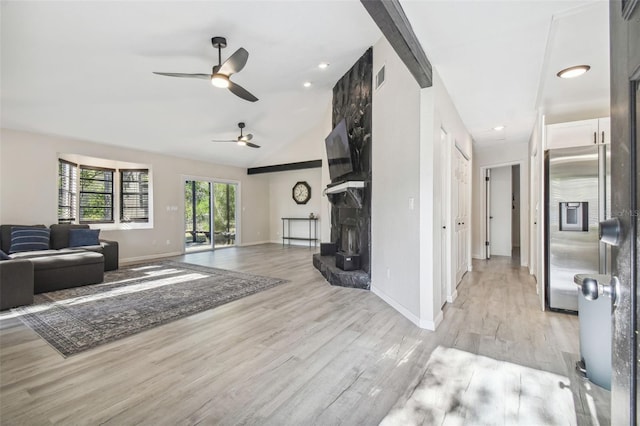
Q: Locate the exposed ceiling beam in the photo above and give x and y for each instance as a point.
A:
(390, 18)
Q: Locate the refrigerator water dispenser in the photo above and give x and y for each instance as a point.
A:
(574, 216)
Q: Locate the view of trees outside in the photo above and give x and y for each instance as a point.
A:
(224, 214)
(96, 195)
(224, 207)
(202, 203)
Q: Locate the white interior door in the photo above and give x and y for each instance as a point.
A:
(500, 211)
(445, 253)
(461, 180)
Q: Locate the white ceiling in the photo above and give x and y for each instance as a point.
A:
(84, 69)
(494, 55)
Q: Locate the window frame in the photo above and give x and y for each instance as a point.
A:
(122, 195)
(82, 167)
(70, 190)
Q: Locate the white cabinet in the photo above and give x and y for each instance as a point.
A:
(578, 133)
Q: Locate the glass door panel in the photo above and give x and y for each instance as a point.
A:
(224, 204)
(197, 215)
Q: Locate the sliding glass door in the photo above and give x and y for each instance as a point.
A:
(224, 204)
(197, 214)
(209, 214)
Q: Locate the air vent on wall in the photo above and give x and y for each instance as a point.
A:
(380, 77)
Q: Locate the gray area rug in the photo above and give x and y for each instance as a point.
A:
(133, 299)
(461, 388)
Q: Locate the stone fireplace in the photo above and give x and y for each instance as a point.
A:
(350, 197)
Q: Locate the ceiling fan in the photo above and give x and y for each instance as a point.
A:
(242, 140)
(220, 73)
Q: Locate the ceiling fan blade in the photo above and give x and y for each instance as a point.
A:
(249, 136)
(224, 140)
(240, 91)
(252, 145)
(234, 63)
(177, 74)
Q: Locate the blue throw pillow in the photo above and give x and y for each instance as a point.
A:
(83, 237)
(4, 256)
(28, 239)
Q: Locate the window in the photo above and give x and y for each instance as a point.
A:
(96, 195)
(134, 195)
(105, 193)
(67, 191)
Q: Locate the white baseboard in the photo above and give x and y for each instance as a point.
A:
(255, 243)
(453, 297)
(432, 325)
(426, 324)
(138, 259)
(295, 243)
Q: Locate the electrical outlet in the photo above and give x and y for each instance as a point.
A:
(388, 272)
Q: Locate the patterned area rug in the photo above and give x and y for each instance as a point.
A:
(133, 299)
(460, 388)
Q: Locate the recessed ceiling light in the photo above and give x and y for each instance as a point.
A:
(307, 84)
(498, 128)
(572, 72)
(323, 65)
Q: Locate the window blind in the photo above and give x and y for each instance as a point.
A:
(96, 195)
(134, 195)
(67, 191)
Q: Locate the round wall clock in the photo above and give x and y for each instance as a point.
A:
(301, 192)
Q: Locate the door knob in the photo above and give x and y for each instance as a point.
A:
(609, 231)
(592, 289)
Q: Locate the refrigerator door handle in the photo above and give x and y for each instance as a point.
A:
(595, 138)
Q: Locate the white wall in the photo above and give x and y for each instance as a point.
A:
(28, 191)
(395, 227)
(497, 155)
(281, 203)
(536, 208)
(405, 188)
(308, 146)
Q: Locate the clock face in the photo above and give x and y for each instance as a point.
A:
(301, 192)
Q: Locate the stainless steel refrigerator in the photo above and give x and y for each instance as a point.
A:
(577, 199)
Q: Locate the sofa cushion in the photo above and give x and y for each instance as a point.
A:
(83, 237)
(5, 235)
(60, 234)
(40, 253)
(4, 256)
(26, 238)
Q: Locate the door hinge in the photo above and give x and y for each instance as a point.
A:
(486, 243)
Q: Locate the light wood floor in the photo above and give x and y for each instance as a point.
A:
(301, 353)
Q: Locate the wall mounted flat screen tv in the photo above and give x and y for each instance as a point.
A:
(338, 151)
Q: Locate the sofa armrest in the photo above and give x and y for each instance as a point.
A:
(16, 283)
(110, 251)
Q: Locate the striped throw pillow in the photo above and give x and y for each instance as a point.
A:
(29, 239)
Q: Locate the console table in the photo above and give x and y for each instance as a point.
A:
(313, 223)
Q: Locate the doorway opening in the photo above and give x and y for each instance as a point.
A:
(502, 211)
(209, 214)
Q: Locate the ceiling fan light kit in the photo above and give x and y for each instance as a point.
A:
(220, 73)
(220, 80)
(242, 140)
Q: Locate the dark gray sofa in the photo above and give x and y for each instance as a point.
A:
(32, 272)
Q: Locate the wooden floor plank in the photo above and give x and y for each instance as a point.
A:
(300, 353)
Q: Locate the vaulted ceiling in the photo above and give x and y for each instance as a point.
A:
(84, 69)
